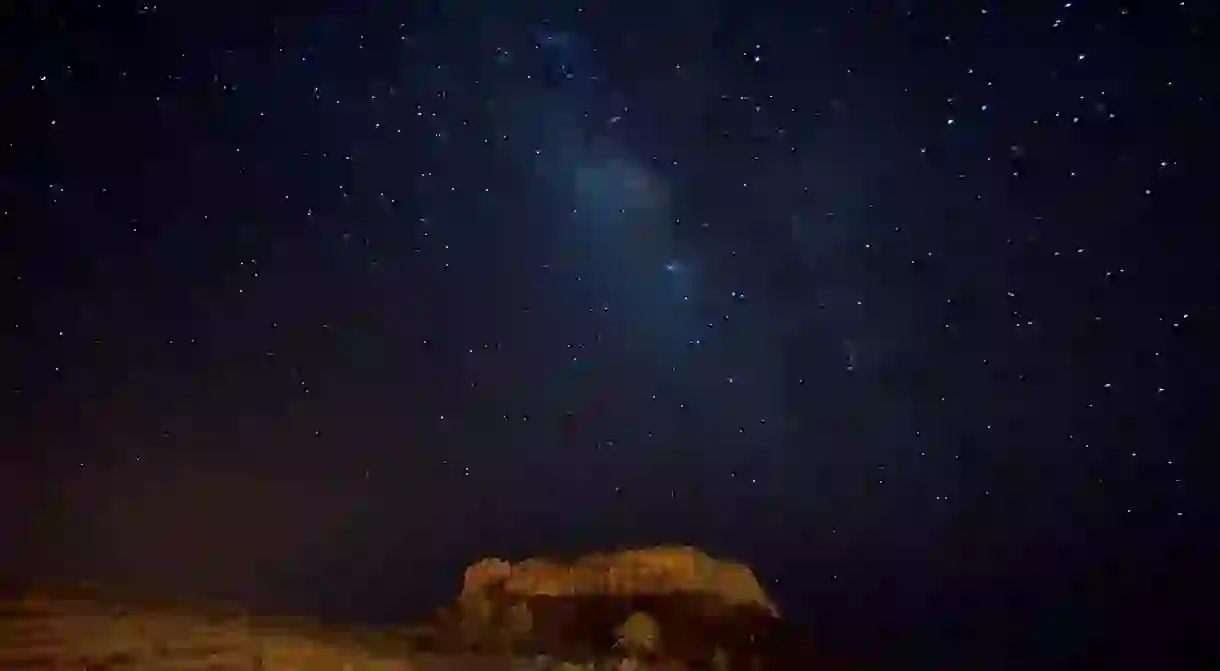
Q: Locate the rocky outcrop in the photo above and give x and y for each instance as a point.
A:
(632, 573)
(701, 604)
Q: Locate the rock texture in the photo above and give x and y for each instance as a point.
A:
(645, 572)
(701, 603)
(59, 632)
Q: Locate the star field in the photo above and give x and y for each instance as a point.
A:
(913, 309)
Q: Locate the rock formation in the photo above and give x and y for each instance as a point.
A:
(646, 572)
(701, 603)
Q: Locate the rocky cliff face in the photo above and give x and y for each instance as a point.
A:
(701, 604)
(634, 573)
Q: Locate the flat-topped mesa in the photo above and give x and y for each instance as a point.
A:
(643, 572)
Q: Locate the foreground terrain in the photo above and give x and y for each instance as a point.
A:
(696, 612)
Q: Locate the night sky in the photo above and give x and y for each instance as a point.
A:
(913, 309)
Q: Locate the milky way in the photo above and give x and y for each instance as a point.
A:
(910, 306)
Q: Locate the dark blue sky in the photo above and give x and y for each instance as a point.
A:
(912, 309)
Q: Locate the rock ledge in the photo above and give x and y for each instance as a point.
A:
(653, 571)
